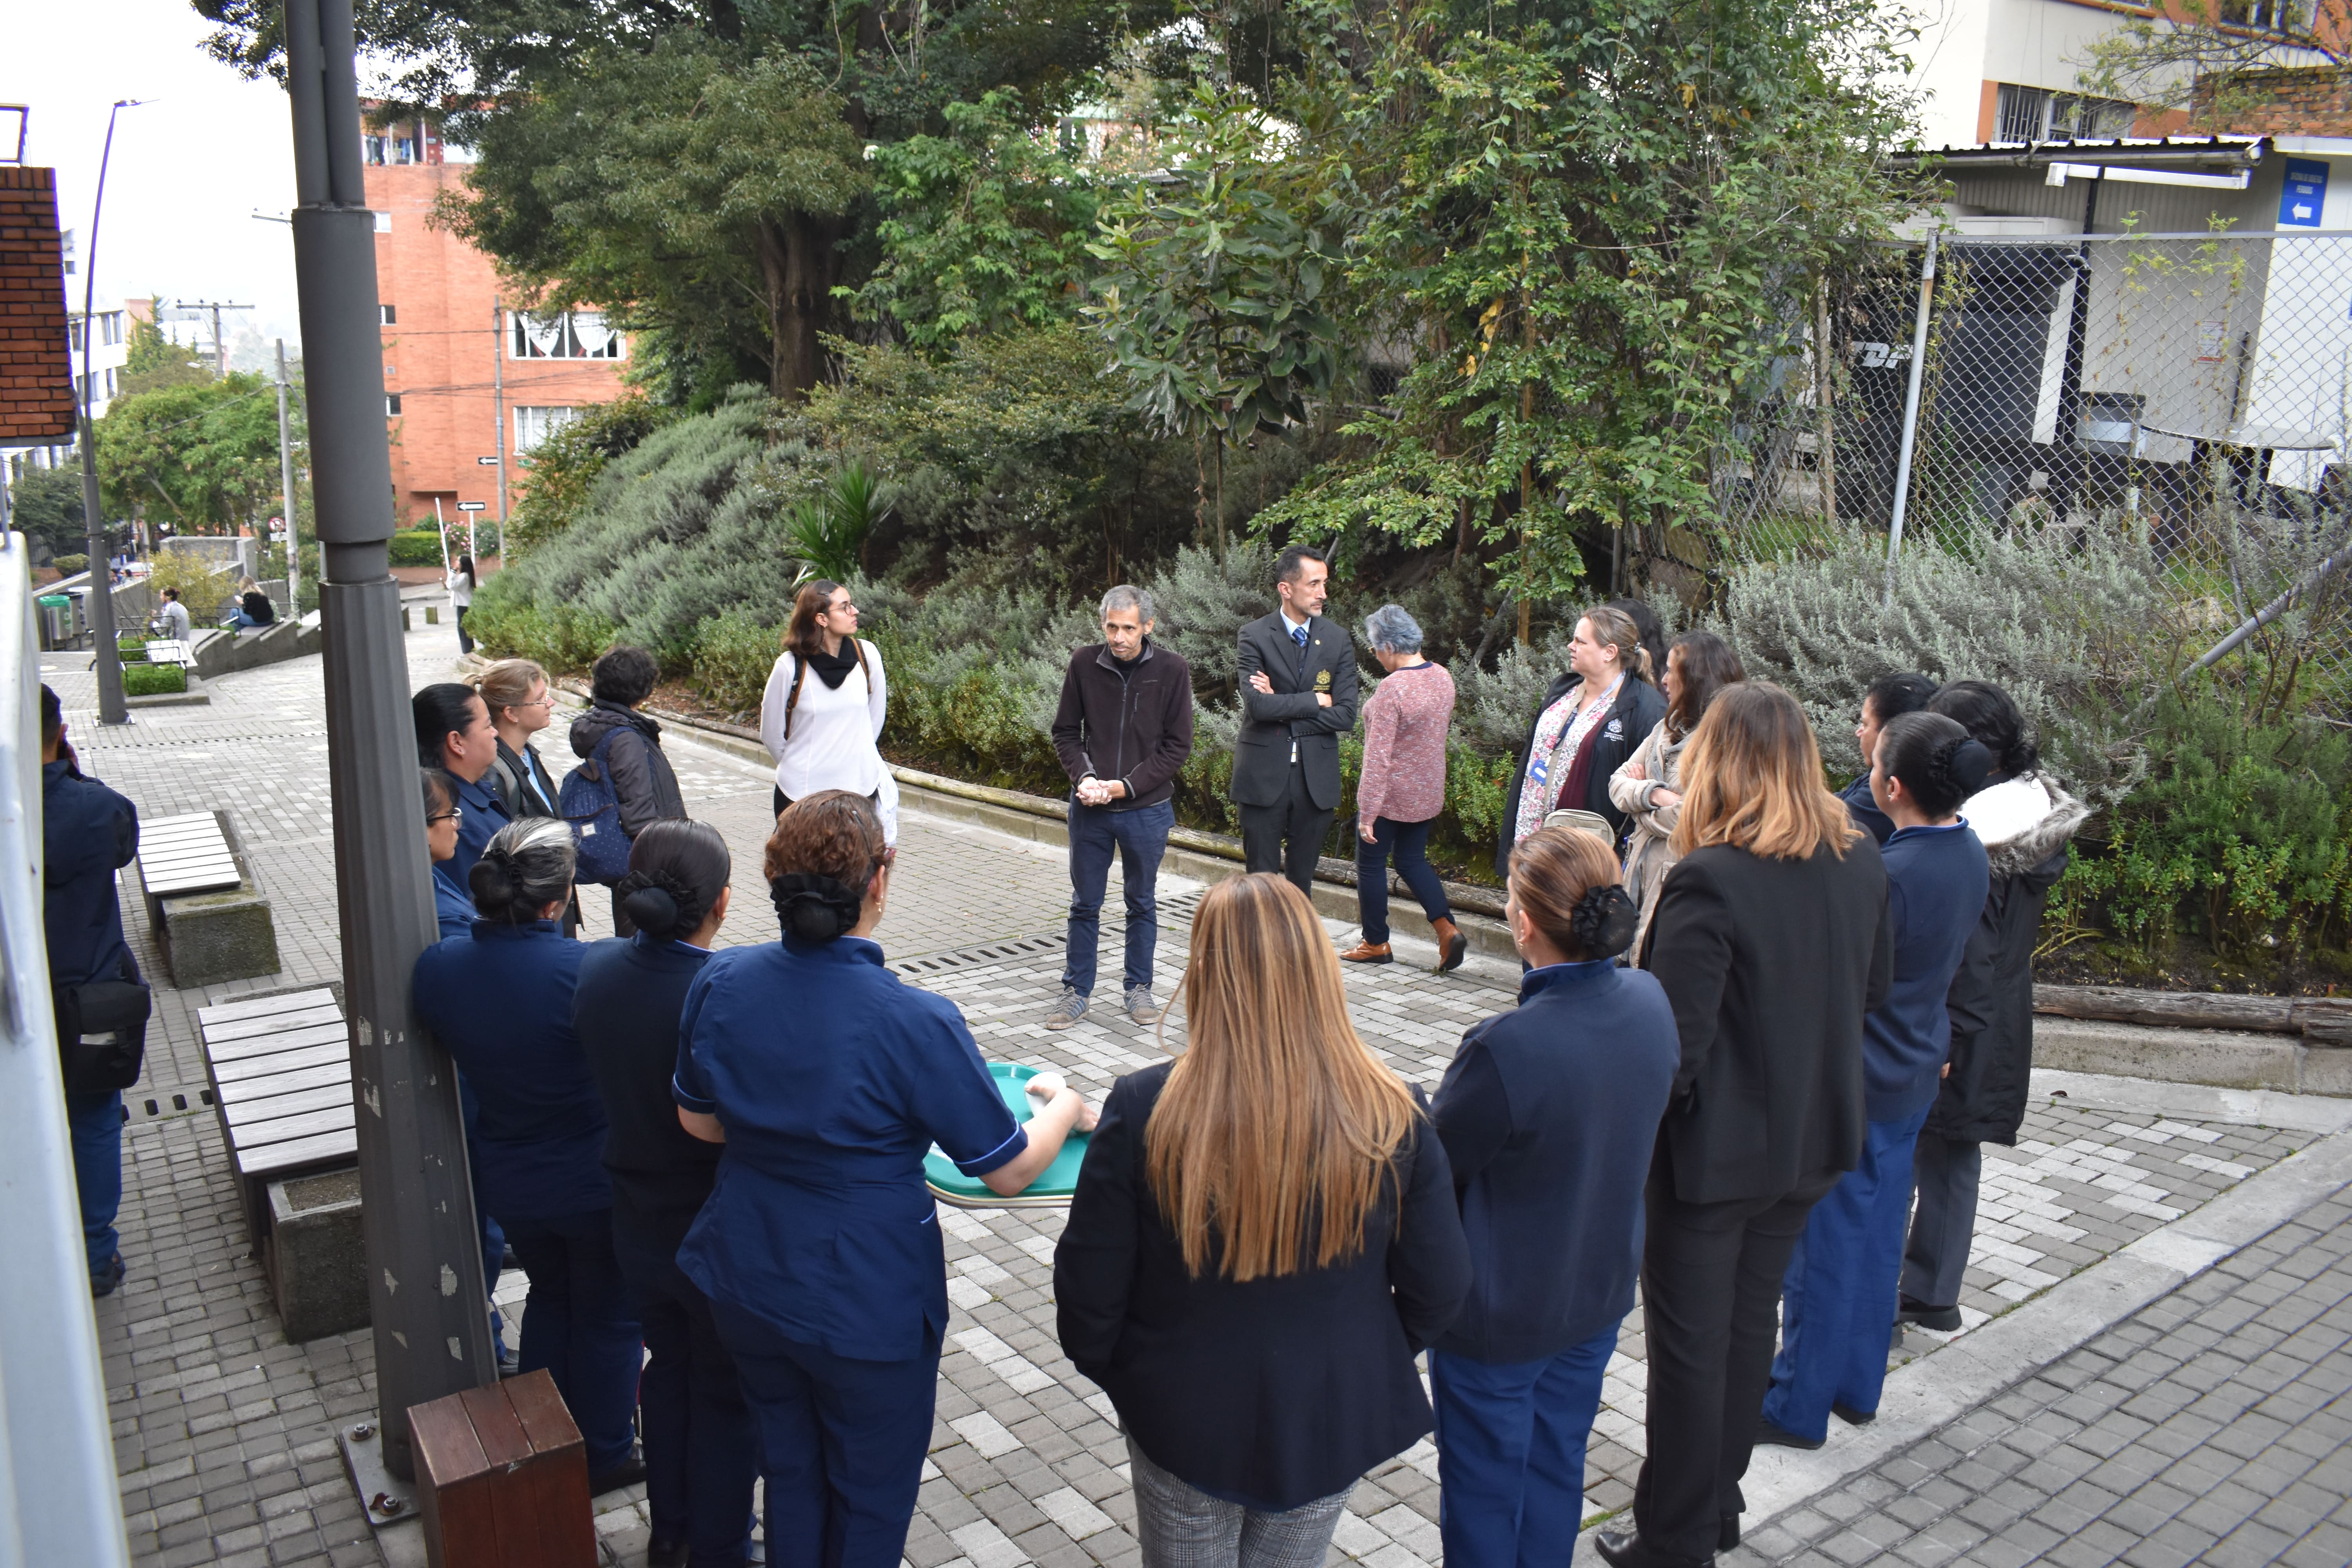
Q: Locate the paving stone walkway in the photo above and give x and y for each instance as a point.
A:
(224, 1432)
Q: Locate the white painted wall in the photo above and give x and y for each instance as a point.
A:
(1947, 65)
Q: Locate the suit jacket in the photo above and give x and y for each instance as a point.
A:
(1271, 723)
(1771, 966)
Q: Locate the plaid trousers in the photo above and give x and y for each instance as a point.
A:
(1180, 1526)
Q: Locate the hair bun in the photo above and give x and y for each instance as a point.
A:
(813, 909)
(493, 880)
(661, 904)
(653, 910)
(1603, 921)
(1969, 764)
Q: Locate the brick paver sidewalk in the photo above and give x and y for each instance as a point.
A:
(225, 1431)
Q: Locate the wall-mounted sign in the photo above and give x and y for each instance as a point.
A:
(2304, 194)
(471, 505)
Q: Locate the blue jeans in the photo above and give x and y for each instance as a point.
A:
(578, 1324)
(1837, 1302)
(1510, 1453)
(1411, 842)
(95, 1120)
(702, 1446)
(1140, 837)
(841, 1442)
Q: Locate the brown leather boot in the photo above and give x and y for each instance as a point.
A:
(1452, 945)
(1368, 953)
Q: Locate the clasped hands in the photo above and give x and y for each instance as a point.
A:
(1264, 688)
(1100, 791)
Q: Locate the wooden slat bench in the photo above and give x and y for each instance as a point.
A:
(184, 854)
(281, 1074)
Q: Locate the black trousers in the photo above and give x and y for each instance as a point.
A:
(1287, 837)
(1711, 1278)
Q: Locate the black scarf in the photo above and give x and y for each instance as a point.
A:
(832, 668)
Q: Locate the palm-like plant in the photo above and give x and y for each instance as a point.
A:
(828, 530)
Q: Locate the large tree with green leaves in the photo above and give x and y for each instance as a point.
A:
(203, 456)
(1580, 235)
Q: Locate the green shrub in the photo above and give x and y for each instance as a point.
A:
(153, 679)
(130, 650)
(415, 547)
(566, 639)
(2242, 835)
(564, 467)
(69, 564)
(733, 654)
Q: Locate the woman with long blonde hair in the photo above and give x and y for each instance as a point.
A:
(1770, 938)
(1263, 1237)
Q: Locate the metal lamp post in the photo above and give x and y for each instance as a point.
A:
(428, 1308)
(112, 709)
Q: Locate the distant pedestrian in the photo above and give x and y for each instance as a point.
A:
(1263, 1238)
(701, 1446)
(462, 583)
(87, 833)
(1297, 672)
(1591, 719)
(2025, 821)
(1123, 730)
(1838, 1295)
(248, 607)
(829, 1078)
(644, 788)
(823, 732)
(1548, 1113)
(1402, 788)
(1888, 696)
(454, 734)
(1648, 788)
(1771, 942)
(499, 999)
(176, 617)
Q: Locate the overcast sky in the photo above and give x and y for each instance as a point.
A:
(189, 168)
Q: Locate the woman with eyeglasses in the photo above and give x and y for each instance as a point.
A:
(827, 1078)
(516, 692)
(825, 705)
(451, 910)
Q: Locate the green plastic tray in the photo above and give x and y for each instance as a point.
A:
(1053, 1187)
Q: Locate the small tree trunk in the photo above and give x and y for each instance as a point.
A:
(796, 262)
(1824, 391)
(1220, 495)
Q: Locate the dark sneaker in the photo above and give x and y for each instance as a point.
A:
(1768, 1435)
(1942, 1320)
(104, 1278)
(1068, 1010)
(1140, 1006)
(1850, 1415)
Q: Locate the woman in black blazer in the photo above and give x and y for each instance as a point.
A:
(1771, 941)
(1261, 1362)
(1606, 656)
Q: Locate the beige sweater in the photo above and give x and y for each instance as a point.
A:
(1650, 851)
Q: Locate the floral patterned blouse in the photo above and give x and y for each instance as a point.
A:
(1558, 733)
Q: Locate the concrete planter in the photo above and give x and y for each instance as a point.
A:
(317, 1256)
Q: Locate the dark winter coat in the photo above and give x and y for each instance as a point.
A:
(1133, 725)
(520, 781)
(2026, 823)
(1637, 711)
(643, 783)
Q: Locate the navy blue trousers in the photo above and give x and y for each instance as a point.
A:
(1837, 1301)
(95, 1123)
(1411, 842)
(578, 1324)
(841, 1443)
(1510, 1453)
(1139, 837)
(702, 1447)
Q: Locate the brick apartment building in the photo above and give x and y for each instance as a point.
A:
(464, 378)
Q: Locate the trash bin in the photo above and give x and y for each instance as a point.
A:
(58, 627)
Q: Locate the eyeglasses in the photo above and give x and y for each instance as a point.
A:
(455, 814)
(543, 702)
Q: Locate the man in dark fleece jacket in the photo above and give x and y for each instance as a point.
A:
(1122, 731)
(1838, 1299)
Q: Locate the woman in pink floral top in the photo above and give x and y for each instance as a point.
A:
(1402, 788)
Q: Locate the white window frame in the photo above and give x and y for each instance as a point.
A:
(565, 337)
(535, 423)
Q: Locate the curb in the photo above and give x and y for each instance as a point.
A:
(1929, 1394)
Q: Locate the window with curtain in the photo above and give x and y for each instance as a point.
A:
(532, 426)
(573, 334)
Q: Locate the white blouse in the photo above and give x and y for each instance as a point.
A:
(833, 728)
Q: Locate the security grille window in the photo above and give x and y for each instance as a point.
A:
(575, 334)
(532, 426)
(2038, 114)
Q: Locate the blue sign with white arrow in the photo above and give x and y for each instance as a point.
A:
(2305, 194)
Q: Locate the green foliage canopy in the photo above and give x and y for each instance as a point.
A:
(206, 451)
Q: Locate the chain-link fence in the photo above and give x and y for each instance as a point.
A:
(2195, 391)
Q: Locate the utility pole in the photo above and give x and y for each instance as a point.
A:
(285, 482)
(220, 344)
(112, 709)
(428, 1309)
(498, 403)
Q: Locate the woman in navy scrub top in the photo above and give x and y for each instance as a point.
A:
(828, 1079)
(499, 1000)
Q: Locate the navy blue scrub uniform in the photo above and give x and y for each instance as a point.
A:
(820, 1245)
(500, 1001)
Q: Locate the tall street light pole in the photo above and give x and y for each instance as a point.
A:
(427, 1307)
(286, 483)
(112, 709)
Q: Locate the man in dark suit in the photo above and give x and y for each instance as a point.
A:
(1298, 697)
